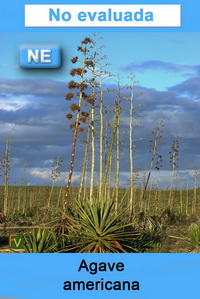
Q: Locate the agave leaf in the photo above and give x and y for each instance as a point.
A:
(41, 241)
(38, 234)
(34, 242)
(27, 243)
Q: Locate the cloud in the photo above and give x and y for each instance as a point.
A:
(11, 105)
(161, 178)
(189, 88)
(41, 173)
(43, 176)
(143, 66)
(36, 87)
(41, 131)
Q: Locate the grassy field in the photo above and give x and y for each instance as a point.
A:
(163, 229)
(32, 201)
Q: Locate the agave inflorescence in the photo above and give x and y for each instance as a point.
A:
(79, 87)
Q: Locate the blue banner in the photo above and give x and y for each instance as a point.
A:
(12, 16)
(61, 276)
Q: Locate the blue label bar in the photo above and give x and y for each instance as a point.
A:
(120, 276)
(12, 15)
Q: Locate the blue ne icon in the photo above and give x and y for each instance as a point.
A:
(40, 57)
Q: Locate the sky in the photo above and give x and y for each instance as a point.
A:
(33, 106)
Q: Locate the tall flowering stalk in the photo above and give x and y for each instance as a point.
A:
(131, 112)
(79, 115)
(5, 168)
(110, 151)
(102, 75)
(132, 117)
(55, 172)
(154, 143)
(173, 160)
(117, 170)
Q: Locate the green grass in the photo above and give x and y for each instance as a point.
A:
(161, 229)
(32, 201)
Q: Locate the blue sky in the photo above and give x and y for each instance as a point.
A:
(123, 49)
(32, 105)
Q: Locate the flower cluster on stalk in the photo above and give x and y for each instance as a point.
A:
(79, 87)
(173, 159)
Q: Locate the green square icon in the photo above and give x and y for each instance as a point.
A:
(16, 241)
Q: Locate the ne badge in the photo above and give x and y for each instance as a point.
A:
(40, 57)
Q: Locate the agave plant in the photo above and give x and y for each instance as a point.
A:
(40, 241)
(194, 236)
(99, 230)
